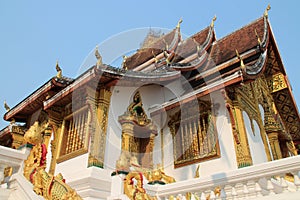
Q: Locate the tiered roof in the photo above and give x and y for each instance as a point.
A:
(202, 59)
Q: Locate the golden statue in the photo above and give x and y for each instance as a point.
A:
(136, 110)
(44, 184)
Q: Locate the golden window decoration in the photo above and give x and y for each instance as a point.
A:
(74, 134)
(194, 134)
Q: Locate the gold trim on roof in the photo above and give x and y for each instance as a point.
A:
(240, 58)
(257, 36)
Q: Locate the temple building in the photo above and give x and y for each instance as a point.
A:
(194, 118)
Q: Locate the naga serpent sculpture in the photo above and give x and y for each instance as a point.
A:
(47, 185)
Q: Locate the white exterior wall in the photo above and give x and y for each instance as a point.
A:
(120, 99)
(156, 95)
(49, 153)
(72, 167)
(256, 144)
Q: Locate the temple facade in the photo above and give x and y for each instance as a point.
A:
(194, 118)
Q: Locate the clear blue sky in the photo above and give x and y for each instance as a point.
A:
(34, 34)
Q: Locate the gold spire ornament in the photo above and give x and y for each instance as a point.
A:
(98, 56)
(212, 24)
(179, 22)
(124, 62)
(266, 11)
(59, 71)
(240, 58)
(7, 108)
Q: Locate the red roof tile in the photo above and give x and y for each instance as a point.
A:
(243, 40)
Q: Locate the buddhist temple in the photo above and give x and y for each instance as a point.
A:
(195, 118)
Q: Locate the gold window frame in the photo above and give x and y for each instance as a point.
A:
(79, 150)
(187, 145)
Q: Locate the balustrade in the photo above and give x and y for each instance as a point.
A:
(280, 177)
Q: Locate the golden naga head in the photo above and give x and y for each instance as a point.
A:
(34, 134)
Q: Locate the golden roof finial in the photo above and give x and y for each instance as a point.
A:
(98, 56)
(58, 69)
(179, 22)
(166, 55)
(7, 108)
(154, 56)
(257, 36)
(266, 11)
(212, 24)
(124, 62)
(239, 57)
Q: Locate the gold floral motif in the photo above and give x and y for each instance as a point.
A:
(277, 82)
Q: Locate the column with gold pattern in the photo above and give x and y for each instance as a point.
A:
(242, 148)
(99, 108)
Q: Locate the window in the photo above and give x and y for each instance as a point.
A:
(194, 134)
(75, 134)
